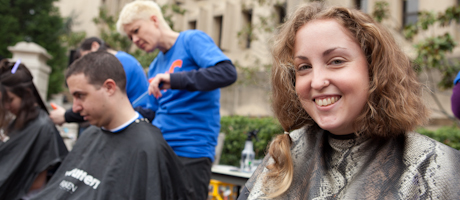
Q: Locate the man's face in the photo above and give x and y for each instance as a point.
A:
(88, 100)
(144, 33)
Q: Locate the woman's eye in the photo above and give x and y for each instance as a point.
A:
(136, 30)
(303, 67)
(337, 62)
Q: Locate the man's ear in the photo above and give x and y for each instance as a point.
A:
(110, 86)
(95, 46)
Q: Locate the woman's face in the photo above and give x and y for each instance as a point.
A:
(332, 79)
(13, 103)
(144, 33)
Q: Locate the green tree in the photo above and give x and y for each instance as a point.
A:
(433, 50)
(109, 34)
(39, 22)
(70, 38)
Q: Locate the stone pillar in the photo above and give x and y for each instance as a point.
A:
(34, 57)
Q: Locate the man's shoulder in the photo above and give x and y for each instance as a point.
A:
(143, 131)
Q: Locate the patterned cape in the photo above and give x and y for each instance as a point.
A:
(410, 166)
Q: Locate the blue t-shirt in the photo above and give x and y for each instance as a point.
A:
(189, 120)
(136, 80)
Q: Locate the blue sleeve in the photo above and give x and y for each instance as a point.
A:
(457, 79)
(203, 50)
(136, 80)
(205, 79)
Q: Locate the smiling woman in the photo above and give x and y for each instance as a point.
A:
(336, 69)
(348, 99)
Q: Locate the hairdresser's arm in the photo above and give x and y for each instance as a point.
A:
(146, 113)
(59, 115)
(71, 116)
(205, 79)
(455, 100)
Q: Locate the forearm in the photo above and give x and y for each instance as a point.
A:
(205, 79)
(71, 116)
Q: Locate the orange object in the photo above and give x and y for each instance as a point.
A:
(53, 106)
(150, 80)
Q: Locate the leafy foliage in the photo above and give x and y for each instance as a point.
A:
(69, 38)
(381, 11)
(235, 129)
(432, 51)
(109, 33)
(38, 22)
(449, 135)
(168, 16)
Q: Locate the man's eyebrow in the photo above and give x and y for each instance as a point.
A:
(77, 93)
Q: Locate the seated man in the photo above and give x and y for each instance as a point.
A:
(122, 156)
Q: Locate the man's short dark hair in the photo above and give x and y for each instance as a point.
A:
(88, 42)
(98, 67)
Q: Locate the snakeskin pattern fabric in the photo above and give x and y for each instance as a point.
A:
(411, 166)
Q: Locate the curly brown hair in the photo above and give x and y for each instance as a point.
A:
(394, 104)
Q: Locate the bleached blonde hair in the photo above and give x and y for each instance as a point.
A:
(139, 9)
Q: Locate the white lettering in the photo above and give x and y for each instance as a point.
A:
(88, 180)
(82, 176)
(96, 183)
(69, 173)
(69, 186)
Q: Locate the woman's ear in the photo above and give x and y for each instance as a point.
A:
(154, 19)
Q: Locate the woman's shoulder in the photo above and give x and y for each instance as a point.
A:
(43, 120)
(421, 152)
(418, 142)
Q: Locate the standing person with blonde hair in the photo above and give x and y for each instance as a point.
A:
(31, 147)
(191, 69)
(348, 99)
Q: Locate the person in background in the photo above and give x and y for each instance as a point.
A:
(348, 99)
(136, 85)
(122, 156)
(31, 147)
(455, 98)
(186, 79)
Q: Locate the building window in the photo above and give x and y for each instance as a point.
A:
(280, 10)
(192, 25)
(217, 30)
(361, 5)
(247, 28)
(410, 9)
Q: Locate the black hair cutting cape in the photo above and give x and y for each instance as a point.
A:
(28, 152)
(134, 163)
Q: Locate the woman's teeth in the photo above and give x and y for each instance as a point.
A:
(326, 101)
